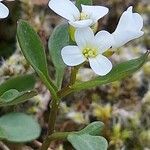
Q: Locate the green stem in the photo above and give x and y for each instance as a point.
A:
(52, 117)
(55, 136)
(51, 123)
(59, 78)
(51, 87)
(74, 71)
(54, 109)
(64, 92)
(68, 89)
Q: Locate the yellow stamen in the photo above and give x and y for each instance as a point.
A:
(89, 52)
(83, 16)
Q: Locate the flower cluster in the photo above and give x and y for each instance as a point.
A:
(92, 47)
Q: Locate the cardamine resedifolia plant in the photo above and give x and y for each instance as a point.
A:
(71, 44)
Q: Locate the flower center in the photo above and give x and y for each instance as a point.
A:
(90, 52)
(83, 16)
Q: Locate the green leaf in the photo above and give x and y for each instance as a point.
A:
(118, 72)
(3, 134)
(19, 127)
(20, 83)
(32, 47)
(10, 95)
(14, 97)
(93, 128)
(87, 142)
(86, 139)
(84, 2)
(34, 52)
(58, 40)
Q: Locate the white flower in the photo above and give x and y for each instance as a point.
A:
(89, 15)
(4, 11)
(89, 47)
(129, 28)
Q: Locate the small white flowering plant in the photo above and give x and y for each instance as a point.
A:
(85, 46)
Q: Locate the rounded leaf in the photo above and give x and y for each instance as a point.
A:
(14, 97)
(20, 83)
(58, 40)
(93, 128)
(19, 127)
(10, 95)
(87, 142)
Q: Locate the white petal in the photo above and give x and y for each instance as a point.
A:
(65, 8)
(103, 40)
(128, 28)
(95, 12)
(4, 11)
(125, 21)
(124, 37)
(101, 65)
(72, 56)
(138, 21)
(81, 23)
(84, 37)
(130, 21)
